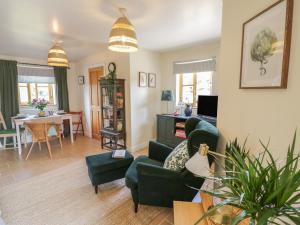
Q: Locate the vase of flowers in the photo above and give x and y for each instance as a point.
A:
(40, 104)
(265, 190)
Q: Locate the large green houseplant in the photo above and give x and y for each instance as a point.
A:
(266, 190)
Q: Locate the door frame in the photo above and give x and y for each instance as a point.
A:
(91, 68)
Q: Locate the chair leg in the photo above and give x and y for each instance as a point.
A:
(77, 129)
(59, 138)
(40, 147)
(4, 142)
(49, 149)
(136, 206)
(25, 139)
(15, 142)
(30, 150)
(96, 189)
(82, 129)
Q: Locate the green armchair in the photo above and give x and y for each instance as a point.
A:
(151, 184)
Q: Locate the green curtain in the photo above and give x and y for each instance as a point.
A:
(61, 80)
(9, 102)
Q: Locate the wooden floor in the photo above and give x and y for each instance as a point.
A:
(14, 169)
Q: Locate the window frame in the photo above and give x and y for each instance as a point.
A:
(194, 85)
(52, 101)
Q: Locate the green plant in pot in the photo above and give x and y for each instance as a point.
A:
(266, 191)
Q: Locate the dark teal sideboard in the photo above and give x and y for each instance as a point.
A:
(166, 128)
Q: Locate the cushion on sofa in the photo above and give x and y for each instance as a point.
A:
(177, 158)
(131, 177)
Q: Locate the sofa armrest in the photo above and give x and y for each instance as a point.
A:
(158, 151)
(159, 186)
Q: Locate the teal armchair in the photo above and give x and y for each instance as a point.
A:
(151, 184)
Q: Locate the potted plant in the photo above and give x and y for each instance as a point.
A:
(39, 104)
(265, 190)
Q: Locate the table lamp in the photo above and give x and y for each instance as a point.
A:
(199, 166)
(167, 95)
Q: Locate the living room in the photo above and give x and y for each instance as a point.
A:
(57, 185)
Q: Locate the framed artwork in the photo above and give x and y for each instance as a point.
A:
(266, 47)
(152, 80)
(80, 80)
(143, 81)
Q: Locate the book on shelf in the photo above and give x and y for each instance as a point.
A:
(180, 133)
(118, 154)
(180, 125)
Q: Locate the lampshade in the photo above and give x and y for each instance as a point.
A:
(167, 95)
(122, 36)
(198, 164)
(57, 57)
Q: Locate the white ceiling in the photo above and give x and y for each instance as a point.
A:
(27, 27)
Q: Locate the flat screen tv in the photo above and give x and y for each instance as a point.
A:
(207, 105)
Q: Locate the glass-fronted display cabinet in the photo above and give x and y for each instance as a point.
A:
(113, 111)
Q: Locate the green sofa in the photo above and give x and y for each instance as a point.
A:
(151, 184)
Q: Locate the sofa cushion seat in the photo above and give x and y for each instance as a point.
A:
(8, 131)
(131, 177)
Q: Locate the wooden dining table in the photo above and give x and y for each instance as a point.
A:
(17, 122)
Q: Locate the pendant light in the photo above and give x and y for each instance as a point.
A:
(122, 36)
(57, 56)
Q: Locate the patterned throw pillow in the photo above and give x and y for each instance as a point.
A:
(177, 158)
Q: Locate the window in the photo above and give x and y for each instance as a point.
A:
(190, 85)
(36, 82)
(29, 91)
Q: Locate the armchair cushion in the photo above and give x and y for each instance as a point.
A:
(177, 158)
(131, 177)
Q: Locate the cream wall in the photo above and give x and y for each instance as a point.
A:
(256, 114)
(200, 51)
(73, 88)
(103, 58)
(145, 102)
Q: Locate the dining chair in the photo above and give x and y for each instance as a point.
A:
(6, 133)
(77, 122)
(38, 134)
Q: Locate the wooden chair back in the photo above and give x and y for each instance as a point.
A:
(2, 121)
(76, 116)
(37, 130)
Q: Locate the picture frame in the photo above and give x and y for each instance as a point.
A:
(151, 80)
(266, 44)
(80, 80)
(143, 79)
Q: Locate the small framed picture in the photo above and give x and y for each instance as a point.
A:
(80, 80)
(152, 80)
(143, 81)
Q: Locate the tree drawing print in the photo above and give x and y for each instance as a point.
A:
(263, 48)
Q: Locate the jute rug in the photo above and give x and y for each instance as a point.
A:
(65, 196)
